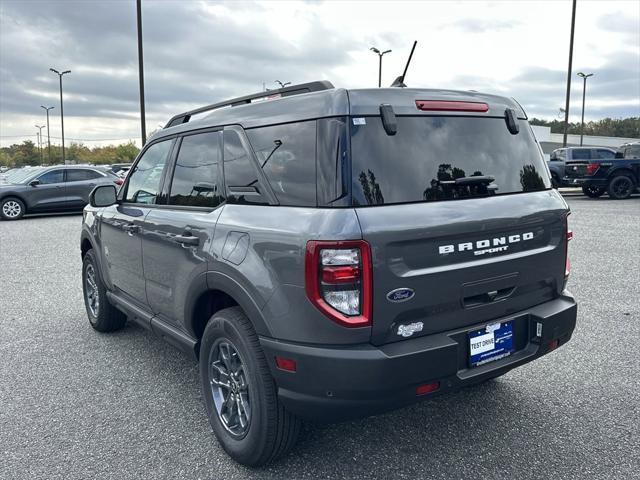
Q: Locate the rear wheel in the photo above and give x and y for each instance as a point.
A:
(621, 187)
(12, 208)
(240, 394)
(554, 181)
(593, 192)
(103, 316)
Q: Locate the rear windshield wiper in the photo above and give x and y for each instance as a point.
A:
(478, 179)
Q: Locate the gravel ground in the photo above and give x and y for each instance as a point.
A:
(78, 404)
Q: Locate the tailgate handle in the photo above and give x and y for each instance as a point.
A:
(487, 297)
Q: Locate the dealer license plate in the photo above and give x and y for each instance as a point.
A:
(491, 343)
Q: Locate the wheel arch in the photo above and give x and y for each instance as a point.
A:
(212, 292)
(17, 197)
(616, 172)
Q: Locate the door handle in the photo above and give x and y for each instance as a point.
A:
(131, 229)
(187, 239)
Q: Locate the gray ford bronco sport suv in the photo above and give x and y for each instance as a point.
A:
(328, 254)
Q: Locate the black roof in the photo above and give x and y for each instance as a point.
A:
(321, 101)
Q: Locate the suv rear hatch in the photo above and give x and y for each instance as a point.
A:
(461, 220)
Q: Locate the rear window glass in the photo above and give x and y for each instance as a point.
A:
(581, 154)
(287, 155)
(195, 178)
(437, 158)
(240, 174)
(605, 154)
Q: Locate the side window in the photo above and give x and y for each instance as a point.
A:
(605, 154)
(53, 176)
(633, 151)
(195, 177)
(581, 154)
(144, 180)
(74, 175)
(240, 175)
(287, 155)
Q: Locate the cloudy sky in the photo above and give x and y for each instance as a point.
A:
(200, 52)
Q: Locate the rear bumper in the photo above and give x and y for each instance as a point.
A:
(339, 383)
(585, 182)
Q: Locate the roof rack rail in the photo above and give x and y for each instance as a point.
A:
(234, 102)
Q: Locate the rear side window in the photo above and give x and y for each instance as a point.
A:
(195, 177)
(604, 154)
(437, 158)
(287, 155)
(74, 175)
(146, 177)
(581, 154)
(240, 175)
(632, 152)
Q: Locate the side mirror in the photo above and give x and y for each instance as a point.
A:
(103, 196)
(35, 182)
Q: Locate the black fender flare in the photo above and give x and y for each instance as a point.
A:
(230, 286)
(85, 235)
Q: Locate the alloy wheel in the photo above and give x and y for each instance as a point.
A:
(621, 187)
(230, 388)
(91, 290)
(11, 209)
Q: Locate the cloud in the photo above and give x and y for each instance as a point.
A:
(203, 52)
(477, 25)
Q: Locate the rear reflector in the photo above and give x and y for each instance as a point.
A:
(427, 388)
(552, 345)
(451, 106)
(286, 364)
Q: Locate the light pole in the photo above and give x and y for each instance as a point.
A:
(566, 104)
(143, 123)
(380, 54)
(282, 85)
(61, 107)
(584, 90)
(48, 137)
(40, 127)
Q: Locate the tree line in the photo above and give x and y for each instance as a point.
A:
(607, 127)
(27, 153)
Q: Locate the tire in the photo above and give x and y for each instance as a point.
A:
(103, 316)
(268, 430)
(593, 192)
(12, 208)
(554, 181)
(621, 187)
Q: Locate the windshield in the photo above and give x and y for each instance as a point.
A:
(21, 175)
(442, 158)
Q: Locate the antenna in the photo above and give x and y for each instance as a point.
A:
(399, 82)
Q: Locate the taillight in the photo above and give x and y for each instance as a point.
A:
(451, 106)
(592, 168)
(338, 280)
(118, 181)
(567, 263)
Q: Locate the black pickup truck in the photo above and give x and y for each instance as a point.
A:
(619, 177)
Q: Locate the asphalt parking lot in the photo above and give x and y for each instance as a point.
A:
(78, 404)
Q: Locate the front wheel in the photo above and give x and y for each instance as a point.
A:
(103, 316)
(12, 208)
(621, 187)
(593, 192)
(240, 394)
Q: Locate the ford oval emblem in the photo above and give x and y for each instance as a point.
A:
(400, 295)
